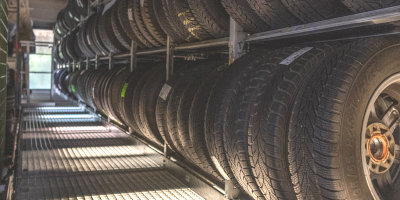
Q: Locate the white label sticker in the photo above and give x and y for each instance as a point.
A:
(165, 91)
(130, 17)
(295, 55)
(88, 39)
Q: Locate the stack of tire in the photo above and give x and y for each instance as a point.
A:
(280, 124)
(148, 22)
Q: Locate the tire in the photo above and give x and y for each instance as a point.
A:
(135, 27)
(115, 93)
(259, 134)
(196, 124)
(189, 21)
(120, 34)
(211, 16)
(127, 99)
(124, 19)
(166, 26)
(329, 118)
(161, 107)
(137, 15)
(171, 14)
(242, 13)
(316, 10)
(363, 6)
(274, 13)
(219, 106)
(172, 113)
(136, 102)
(96, 36)
(151, 23)
(200, 71)
(148, 101)
(84, 41)
(235, 124)
(107, 34)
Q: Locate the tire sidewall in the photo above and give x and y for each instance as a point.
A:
(381, 66)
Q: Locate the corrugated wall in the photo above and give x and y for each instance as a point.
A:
(3, 75)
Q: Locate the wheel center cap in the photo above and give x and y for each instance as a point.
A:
(379, 148)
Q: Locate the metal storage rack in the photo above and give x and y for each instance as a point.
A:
(367, 24)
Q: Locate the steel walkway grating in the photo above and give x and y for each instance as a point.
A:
(67, 153)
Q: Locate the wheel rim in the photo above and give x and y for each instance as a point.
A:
(380, 140)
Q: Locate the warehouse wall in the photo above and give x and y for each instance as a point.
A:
(3, 75)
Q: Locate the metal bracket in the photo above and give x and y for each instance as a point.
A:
(87, 63)
(133, 56)
(110, 61)
(231, 191)
(170, 59)
(237, 39)
(166, 153)
(96, 62)
(109, 123)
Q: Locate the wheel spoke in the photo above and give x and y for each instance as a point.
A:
(391, 118)
(384, 181)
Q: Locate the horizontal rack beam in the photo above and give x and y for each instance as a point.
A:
(381, 16)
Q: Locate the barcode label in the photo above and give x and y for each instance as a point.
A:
(165, 92)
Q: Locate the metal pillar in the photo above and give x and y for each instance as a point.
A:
(96, 64)
(87, 63)
(237, 39)
(28, 90)
(53, 66)
(133, 60)
(170, 59)
(110, 61)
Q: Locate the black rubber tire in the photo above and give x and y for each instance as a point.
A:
(164, 22)
(171, 14)
(148, 100)
(328, 117)
(235, 126)
(242, 13)
(212, 17)
(161, 106)
(84, 41)
(124, 19)
(274, 13)
(187, 92)
(114, 93)
(260, 128)
(172, 113)
(135, 27)
(107, 34)
(137, 15)
(363, 6)
(136, 102)
(196, 124)
(119, 32)
(189, 21)
(126, 101)
(150, 21)
(96, 36)
(316, 10)
(219, 106)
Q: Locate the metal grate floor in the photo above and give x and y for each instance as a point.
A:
(67, 153)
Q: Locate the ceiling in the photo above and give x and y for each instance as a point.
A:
(43, 13)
